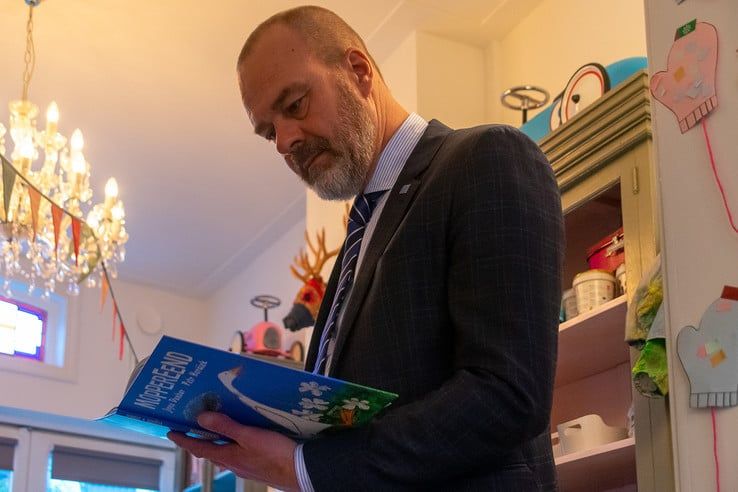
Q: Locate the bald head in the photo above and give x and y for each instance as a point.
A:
(326, 35)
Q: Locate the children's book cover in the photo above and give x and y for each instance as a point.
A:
(181, 379)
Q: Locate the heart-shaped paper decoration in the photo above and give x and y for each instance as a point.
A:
(687, 87)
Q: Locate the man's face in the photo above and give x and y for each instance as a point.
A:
(314, 113)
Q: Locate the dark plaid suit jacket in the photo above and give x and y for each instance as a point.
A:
(455, 308)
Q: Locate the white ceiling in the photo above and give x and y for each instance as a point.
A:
(152, 86)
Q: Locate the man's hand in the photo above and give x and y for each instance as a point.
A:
(256, 454)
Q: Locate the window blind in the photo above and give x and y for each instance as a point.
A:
(84, 465)
(7, 446)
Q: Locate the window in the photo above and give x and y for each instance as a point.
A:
(82, 470)
(22, 329)
(106, 460)
(7, 450)
(37, 334)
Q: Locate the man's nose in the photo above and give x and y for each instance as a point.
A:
(287, 135)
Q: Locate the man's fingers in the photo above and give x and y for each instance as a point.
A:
(220, 424)
(198, 447)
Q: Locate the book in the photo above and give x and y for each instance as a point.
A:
(181, 379)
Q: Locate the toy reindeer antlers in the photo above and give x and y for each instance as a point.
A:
(321, 255)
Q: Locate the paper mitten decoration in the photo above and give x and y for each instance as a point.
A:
(709, 354)
(687, 87)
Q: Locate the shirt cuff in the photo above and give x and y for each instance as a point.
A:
(303, 479)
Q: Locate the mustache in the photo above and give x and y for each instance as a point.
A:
(309, 149)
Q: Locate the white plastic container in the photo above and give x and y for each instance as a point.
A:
(620, 275)
(593, 288)
(587, 432)
(569, 301)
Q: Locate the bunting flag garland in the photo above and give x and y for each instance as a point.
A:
(56, 216)
(76, 225)
(9, 174)
(115, 314)
(35, 197)
(120, 343)
(103, 292)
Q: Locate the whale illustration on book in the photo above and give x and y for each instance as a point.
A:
(293, 423)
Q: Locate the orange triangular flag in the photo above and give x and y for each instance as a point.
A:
(9, 174)
(35, 197)
(103, 291)
(115, 316)
(120, 343)
(56, 215)
(76, 225)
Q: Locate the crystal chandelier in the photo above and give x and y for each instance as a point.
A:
(45, 239)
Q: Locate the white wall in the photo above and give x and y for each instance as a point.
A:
(398, 70)
(699, 247)
(229, 308)
(451, 81)
(99, 379)
(558, 37)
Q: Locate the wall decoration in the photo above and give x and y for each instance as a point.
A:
(307, 301)
(687, 86)
(709, 354)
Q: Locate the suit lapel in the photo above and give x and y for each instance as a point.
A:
(400, 197)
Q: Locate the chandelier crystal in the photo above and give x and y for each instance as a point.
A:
(50, 165)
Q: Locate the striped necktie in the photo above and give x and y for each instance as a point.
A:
(358, 218)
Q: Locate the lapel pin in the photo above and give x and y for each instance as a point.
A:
(404, 189)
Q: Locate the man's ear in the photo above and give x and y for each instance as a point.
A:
(361, 70)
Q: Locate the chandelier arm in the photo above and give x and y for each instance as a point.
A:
(30, 54)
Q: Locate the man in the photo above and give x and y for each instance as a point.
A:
(450, 299)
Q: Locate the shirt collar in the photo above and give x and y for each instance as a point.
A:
(394, 155)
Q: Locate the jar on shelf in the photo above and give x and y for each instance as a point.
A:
(569, 304)
(593, 288)
(620, 275)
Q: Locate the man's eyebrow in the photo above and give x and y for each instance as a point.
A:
(260, 128)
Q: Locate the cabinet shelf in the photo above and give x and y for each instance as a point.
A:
(592, 342)
(610, 465)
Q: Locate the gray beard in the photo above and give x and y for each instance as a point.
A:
(351, 156)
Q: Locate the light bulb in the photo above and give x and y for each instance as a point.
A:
(52, 113)
(118, 212)
(78, 164)
(52, 118)
(111, 189)
(25, 148)
(77, 141)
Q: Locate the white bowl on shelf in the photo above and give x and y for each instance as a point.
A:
(587, 432)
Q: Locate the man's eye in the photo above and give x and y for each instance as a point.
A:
(295, 106)
(270, 135)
